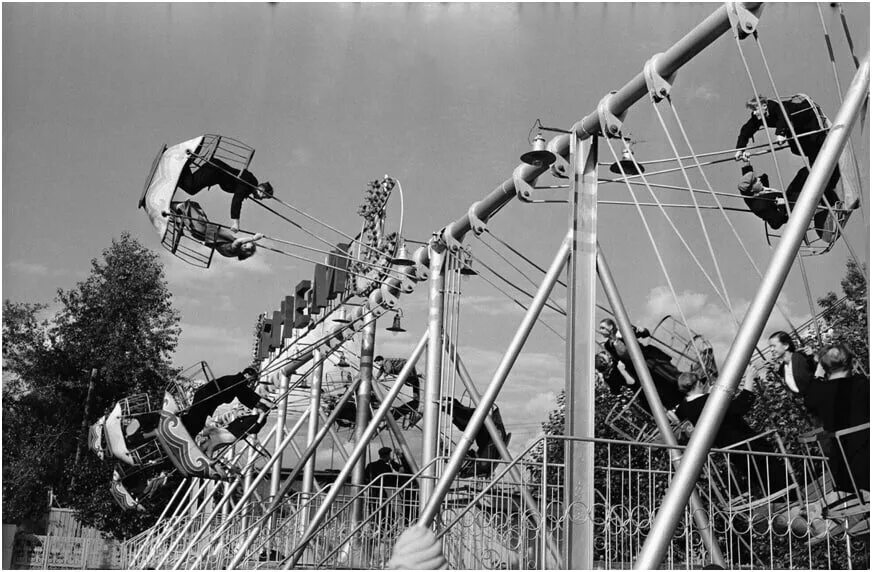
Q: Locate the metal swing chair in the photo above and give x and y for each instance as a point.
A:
(182, 225)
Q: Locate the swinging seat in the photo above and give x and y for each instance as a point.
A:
(183, 452)
(161, 185)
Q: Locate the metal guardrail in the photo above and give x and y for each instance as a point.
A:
(768, 509)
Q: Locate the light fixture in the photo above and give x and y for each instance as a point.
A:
(630, 166)
(397, 326)
(539, 156)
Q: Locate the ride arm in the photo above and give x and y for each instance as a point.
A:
(747, 131)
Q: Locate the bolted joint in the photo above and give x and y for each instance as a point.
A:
(658, 87)
(478, 226)
(523, 190)
(610, 124)
(448, 241)
(742, 20)
(560, 167)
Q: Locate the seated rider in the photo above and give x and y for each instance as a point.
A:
(393, 366)
(734, 428)
(766, 203)
(224, 390)
(663, 371)
(222, 240)
(198, 175)
(809, 123)
(486, 449)
(230, 428)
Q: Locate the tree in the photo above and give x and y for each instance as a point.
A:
(118, 323)
(846, 320)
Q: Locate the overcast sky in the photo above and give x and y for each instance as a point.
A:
(440, 96)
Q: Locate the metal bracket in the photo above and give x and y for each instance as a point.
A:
(742, 20)
(478, 226)
(658, 86)
(376, 303)
(610, 124)
(560, 167)
(522, 188)
(410, 276)
(452, 243)
(388, 299)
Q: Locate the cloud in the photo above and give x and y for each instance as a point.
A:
(180, 272)
(710, 318)
(33, 269)
(704, 92)
(233, 345)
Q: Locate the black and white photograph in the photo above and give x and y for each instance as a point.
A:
(418, 285)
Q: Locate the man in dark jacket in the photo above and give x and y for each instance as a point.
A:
(663, 371)
(795, 368)
(240, 184)
(734, 429)
(840, 400)
(810, 125)
(223, 390)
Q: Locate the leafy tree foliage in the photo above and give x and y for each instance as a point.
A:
(118, 323)
(848, 321)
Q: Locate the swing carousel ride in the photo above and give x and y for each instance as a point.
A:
(247, 495)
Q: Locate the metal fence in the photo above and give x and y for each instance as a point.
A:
(766, 509)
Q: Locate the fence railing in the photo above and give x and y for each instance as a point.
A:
(765, 507)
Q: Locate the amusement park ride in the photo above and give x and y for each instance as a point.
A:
(649, 498)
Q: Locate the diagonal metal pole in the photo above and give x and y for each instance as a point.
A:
(359, 448)
(157, 536)
(647, 382)
(721, 395)
(250, 489)
(184, 506)
(506, 456)
(149, 539)
(428, 514)
(180, 536)
(310, 450)
(405, 449)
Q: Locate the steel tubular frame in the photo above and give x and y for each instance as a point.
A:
(752, 326)
(359, 448)
(432, 388)
(428, 514)
(310, 450)
(657, 409)
(367, 349)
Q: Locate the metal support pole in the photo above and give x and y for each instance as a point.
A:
(432, 382)
(367, 349)
(397, 432)
(721, 395)
(580, 349)
(281, 416)
(249, 491)
(149, 540)
(310, 450)
(684, 50)
(428, 514)
(359, 449)
(657, 410)
(314, 409)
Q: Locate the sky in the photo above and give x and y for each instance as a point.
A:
(440, 96)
